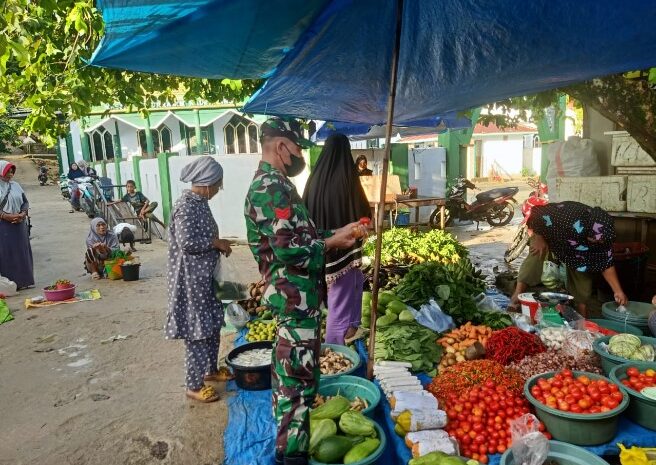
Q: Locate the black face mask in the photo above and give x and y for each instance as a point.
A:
(296, 167)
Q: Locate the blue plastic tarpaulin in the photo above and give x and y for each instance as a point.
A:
(331, 59)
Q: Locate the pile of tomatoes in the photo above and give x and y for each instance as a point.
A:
(638, 380)
(577, 394)
(479, 419)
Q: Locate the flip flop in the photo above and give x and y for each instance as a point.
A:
(359, 333)
(206, 395)
(220, 376)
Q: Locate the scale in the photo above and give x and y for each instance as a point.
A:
(553, 306)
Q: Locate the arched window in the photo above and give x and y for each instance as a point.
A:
(109, 146)
(97, 146)
(312, 128)
(241, 136)
(162, 140)
(166, 137)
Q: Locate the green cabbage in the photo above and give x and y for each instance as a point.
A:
(645, 353)
(623, 345)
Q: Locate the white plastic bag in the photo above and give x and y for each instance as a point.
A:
(529, 445)
(236, 315)
(486, 303)
(226, 285)
(552, 275)
(431, 316)
(7, 287)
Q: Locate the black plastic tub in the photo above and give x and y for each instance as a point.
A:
(256, 378)
(130, 272)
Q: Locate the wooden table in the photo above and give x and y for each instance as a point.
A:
(422, 201)
(416, 203)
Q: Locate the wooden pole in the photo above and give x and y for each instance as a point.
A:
(383, 184)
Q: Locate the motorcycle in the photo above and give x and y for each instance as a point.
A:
(82, 192)
(538, 196)
(493, 206)
(64, 187)
(43, 175)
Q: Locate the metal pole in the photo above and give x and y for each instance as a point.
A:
(383, 184)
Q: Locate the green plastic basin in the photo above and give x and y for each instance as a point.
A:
(352, 387)
(581, 429)
(641, 409)
(617, 326)
(373, 458)
(349, 353)
(563, 454)
(610, 361)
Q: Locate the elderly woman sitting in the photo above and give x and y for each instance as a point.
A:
(100, 244)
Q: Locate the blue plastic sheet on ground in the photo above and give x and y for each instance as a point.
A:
(250, 436)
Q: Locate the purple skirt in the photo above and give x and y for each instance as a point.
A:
(16, 254)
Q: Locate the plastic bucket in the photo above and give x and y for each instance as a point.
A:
(563, 454)
(402, 219)
(617, 326)
(351, 354)
(352, 387)
(257, 378)
(642, 409)
(373, 458)
(530, 306)
(610, 361)
(582, 429)
(59, 295)
(130, 272)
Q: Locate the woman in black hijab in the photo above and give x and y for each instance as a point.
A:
(334, 197)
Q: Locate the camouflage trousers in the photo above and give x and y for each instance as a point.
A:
(296, 371)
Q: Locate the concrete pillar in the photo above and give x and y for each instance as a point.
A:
(199, 139)
(452, 140)
(165, 183)
(150, 147)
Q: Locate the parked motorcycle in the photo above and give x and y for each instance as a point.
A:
(64, 188)
(43, 175)
(493, 206)
(538, 196)
(83, 194)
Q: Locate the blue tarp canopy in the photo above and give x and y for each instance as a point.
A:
(356, 131)
(330, 59)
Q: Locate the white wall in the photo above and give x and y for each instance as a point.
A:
(150, 180)
(64, 154)
(508, 154)
(77, 142)
(111, 174)
(127, 171)
(129, 142)
(228, 205)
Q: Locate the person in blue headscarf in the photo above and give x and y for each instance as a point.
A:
(195, 314)
(15, 250)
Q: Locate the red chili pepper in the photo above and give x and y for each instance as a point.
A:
(512, 345)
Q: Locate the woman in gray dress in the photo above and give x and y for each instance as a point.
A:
(195, 314)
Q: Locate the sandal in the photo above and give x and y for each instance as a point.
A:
(206, 395)
(95, 275)
(359, 333)
(220, 376)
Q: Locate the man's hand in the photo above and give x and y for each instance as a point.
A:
(223, 246)
(538, 245)
(653, 301)
(621, 298)
(343, 237)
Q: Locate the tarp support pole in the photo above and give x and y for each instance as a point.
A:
(383, 185)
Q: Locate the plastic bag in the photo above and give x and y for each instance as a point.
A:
(5, 314)
(637, 455)
(553, 275)
(7, 287)
(431, 316)
(236, 315)
(113, 268)
(486, 303)
(529, 445)
(578, 344)
(225, 285)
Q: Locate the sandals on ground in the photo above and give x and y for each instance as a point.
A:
(95, 275)
(206, 395)
(220, 376)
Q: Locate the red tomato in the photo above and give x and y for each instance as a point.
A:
(614, 388)
(575, 408)
(584, 403)
(633, 371)
(483, 459)
(617, 395)
(501, 448)
(482, 450)
(567, 373)
(583, 380)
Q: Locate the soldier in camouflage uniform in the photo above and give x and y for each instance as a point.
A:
(290, 251)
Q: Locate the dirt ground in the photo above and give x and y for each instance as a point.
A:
(69, 396)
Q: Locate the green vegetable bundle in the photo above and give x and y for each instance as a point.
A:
(408, 342)
(403, 246)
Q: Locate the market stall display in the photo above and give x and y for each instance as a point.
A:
(261, 330)
(561, 452)
(626, 347)
(592, 414)
(251, 364)
(362, 394)
(408, 342)
(336, 360)
(638, 379)
(511, 345)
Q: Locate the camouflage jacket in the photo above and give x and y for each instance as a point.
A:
(287, 246)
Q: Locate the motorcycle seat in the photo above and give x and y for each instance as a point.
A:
(497, 193)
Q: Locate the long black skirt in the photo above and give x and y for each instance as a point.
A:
(16, 254)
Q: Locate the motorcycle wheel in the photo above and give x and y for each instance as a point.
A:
(434, 220)
(516, 247)
(500, 215)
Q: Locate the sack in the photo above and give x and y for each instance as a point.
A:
(7, 287)
(113, 268)
(572, 158)
(225, 286)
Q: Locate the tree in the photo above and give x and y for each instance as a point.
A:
(630, 103)
(9, 132)
(44, 46)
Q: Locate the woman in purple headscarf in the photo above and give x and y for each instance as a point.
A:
(577, 235)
